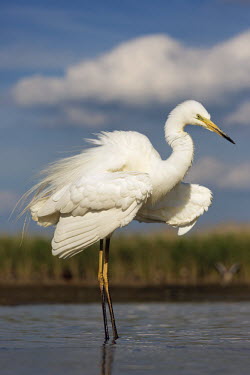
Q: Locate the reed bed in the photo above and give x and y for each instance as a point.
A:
(136, 260)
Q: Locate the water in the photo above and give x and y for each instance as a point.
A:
(156, 338)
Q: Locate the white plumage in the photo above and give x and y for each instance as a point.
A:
(122, 178)
(181, 207)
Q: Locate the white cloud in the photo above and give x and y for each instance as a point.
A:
(241, 115)
(152, 68)
(238, 177)
(80, 116)
(211, 171)
(206, 170)
(69, 114)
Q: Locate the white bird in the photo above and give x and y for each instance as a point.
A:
(122, 178)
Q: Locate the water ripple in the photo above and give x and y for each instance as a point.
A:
(156, 338)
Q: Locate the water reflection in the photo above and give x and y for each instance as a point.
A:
(159, 338)
(107, 358)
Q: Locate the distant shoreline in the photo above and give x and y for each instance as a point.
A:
(52, 294)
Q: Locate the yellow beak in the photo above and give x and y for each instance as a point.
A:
(214, 128)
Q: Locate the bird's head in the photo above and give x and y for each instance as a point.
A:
(195, 114)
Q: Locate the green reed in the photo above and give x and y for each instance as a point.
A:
(136, 260)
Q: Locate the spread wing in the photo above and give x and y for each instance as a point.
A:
(92, 208)
(181, 207)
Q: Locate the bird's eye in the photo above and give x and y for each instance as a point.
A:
(198, 116)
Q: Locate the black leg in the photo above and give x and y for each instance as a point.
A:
(103, 292)
(106, 286)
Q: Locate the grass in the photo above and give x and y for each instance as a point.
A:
(158, 259)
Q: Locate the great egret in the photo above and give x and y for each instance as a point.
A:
(89, 195)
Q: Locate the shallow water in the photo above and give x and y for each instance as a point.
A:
(155, 338)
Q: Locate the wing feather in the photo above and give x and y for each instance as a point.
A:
(92, 208)
(181, 207)
(73, 234)
(96, 192)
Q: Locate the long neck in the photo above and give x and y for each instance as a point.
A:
(181, 158)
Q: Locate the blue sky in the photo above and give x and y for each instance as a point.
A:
(70, 69)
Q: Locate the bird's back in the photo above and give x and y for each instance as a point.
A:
(132, 150)
(117, 151)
